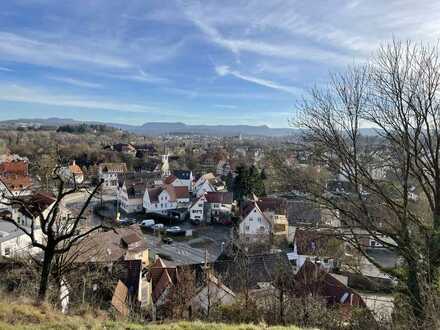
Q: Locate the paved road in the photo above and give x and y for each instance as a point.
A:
(180, 253)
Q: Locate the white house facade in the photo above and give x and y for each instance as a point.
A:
(254, 225)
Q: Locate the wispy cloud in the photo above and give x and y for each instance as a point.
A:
(139, 76)
(17, 93)
(2, 68)
(224, 70)
(75, 82)
(225, 106)
(32, 51)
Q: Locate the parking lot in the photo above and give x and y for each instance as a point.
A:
(206, 242)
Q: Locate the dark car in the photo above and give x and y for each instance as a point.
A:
(127, 222)
(167, 240)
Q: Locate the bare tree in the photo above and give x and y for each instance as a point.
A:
(398, 95)
(60, 232)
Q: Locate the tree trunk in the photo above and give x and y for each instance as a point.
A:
(45, 274)
(415, 296)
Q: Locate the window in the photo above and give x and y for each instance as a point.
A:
(247, 228)
(7, 251)
(259, 220)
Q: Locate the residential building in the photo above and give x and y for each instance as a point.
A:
(254, 225)
(131, 195)
(72, 173)
(218, 206)
(108, 172)
(165, 198)
(275, 210)
(14, 242)
(313, 280)
(318, 246)
(197, 209)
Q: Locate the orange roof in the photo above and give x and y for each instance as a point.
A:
(75, 169)
(14, 167)
(16, 182)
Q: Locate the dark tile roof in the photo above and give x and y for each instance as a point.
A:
(262, 268)
(182, 175)
(220, 197)
(304, 212)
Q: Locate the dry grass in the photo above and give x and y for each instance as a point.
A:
(26, 316)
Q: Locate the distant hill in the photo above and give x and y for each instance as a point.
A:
(163, 128)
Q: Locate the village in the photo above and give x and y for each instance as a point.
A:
(163, 221)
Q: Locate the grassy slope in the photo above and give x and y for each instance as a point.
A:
(26, 316)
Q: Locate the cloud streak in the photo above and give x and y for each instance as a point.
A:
(75, 82)
(224, 70)
(24, 94)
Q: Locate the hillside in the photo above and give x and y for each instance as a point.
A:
(29, 317)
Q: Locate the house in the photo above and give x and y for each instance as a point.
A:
(224, 168)
(165, 198)
(109, 246)
(162, 277)
(180, 179)
(208, 183)
(184, 179)
(254, 225)
(125, 148)
(131, 195)
(318, 246)
(254, 272)
(275, 210)
(197, 209)
(218, 207)
(210, 294)
(14, 175)
(108, 172)
(72, 173)
(14, 242)
(313, 280)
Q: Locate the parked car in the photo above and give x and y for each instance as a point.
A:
(167, 240)
(157, 226)
(127, 222)
(147, 223)
(174, 229)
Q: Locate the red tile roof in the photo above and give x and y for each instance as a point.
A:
(14, 167)
(313, 280)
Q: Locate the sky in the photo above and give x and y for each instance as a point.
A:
(191, 61)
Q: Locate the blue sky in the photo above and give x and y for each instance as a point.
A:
(198, 62)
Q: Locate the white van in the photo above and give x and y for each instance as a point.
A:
(147, 223)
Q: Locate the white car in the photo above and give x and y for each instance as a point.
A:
(174, 229)
(158, 226)
(147, 223)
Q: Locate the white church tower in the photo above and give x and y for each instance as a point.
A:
(165, 169)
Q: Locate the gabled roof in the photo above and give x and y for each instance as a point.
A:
(261, 268)
(273, 204)
(220, 197)
(196, 200)
(18, 167)
(162, 277)
(153, 194)
(177, 192)
(313, 280)
(170, 179)
(75, 169)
